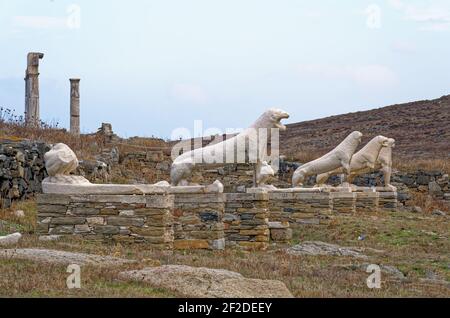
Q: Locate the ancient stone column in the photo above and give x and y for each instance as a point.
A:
(32, 89)
(75, 106)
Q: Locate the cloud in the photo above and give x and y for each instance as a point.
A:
(433, 17)
(39, 22)
(371, 76)
(402, 46)
(190, 93)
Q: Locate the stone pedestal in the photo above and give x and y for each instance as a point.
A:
(32, 116)
(111, 218)
(388, 201)
(246, 220)
(75, 106)
(198, 219)
(299, 206)
(343, 202)
(367, 201)
(280, 232)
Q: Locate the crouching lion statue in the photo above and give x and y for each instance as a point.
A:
(182, 166)
(337, 158)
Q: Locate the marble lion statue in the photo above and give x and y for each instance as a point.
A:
(263, 175)
(182, 166)
(383, 162)
(363, 160)
(60, 160)
(339, 157)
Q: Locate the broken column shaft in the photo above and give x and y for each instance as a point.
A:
(32, 89)
(75, 106)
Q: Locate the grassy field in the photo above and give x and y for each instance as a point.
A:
(416, 244)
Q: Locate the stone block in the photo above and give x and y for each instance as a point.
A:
(106, 229)
(281, 234)
(67, 220)
(124, 221)
(58, 199)
(190, 244)
(52, 208)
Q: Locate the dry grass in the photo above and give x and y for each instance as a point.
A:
(427, 202)
(417, 244)
(13, 127)
(422, 164)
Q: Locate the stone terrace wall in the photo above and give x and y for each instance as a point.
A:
(343, 202)
(299, 207)
(247, 220)
(367, 202)
(198, 221)
(388, 201)
(115, 218)
(21, 170)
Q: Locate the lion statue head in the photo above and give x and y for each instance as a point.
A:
(271, 119)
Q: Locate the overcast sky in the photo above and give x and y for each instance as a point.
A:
(149, 67)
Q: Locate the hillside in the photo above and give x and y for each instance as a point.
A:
(421, 129)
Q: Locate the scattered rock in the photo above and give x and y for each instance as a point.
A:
(63, 257)
(48, 238)
(417, 209)
(439, 213)
(19, 214)
(10, 239)
(321, 248)
(281, 235)
(207, 283)
(434, 189)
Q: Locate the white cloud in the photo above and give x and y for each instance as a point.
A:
(372, 75)
(403, 46)
(433, 17)
(190, 93)
(39, 22)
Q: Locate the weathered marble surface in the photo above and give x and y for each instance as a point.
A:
(337, 158)
(32, 112)
(60, 161)
(365, 160)
(182, 166)
(75, 106)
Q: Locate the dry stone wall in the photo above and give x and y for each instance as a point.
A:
(299, 208)
(21, 170)
(247, 220)
(113, 218)
(198, 221)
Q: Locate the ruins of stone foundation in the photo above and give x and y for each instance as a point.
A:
(185, 216)
(190, 216)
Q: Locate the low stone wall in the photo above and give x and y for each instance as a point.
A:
(299, 207)
(343, 202)
(246, 220)
(198, 221)
(21, 170)
(388, 201)
(367, 202)
(115, 218)
(193, 218)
